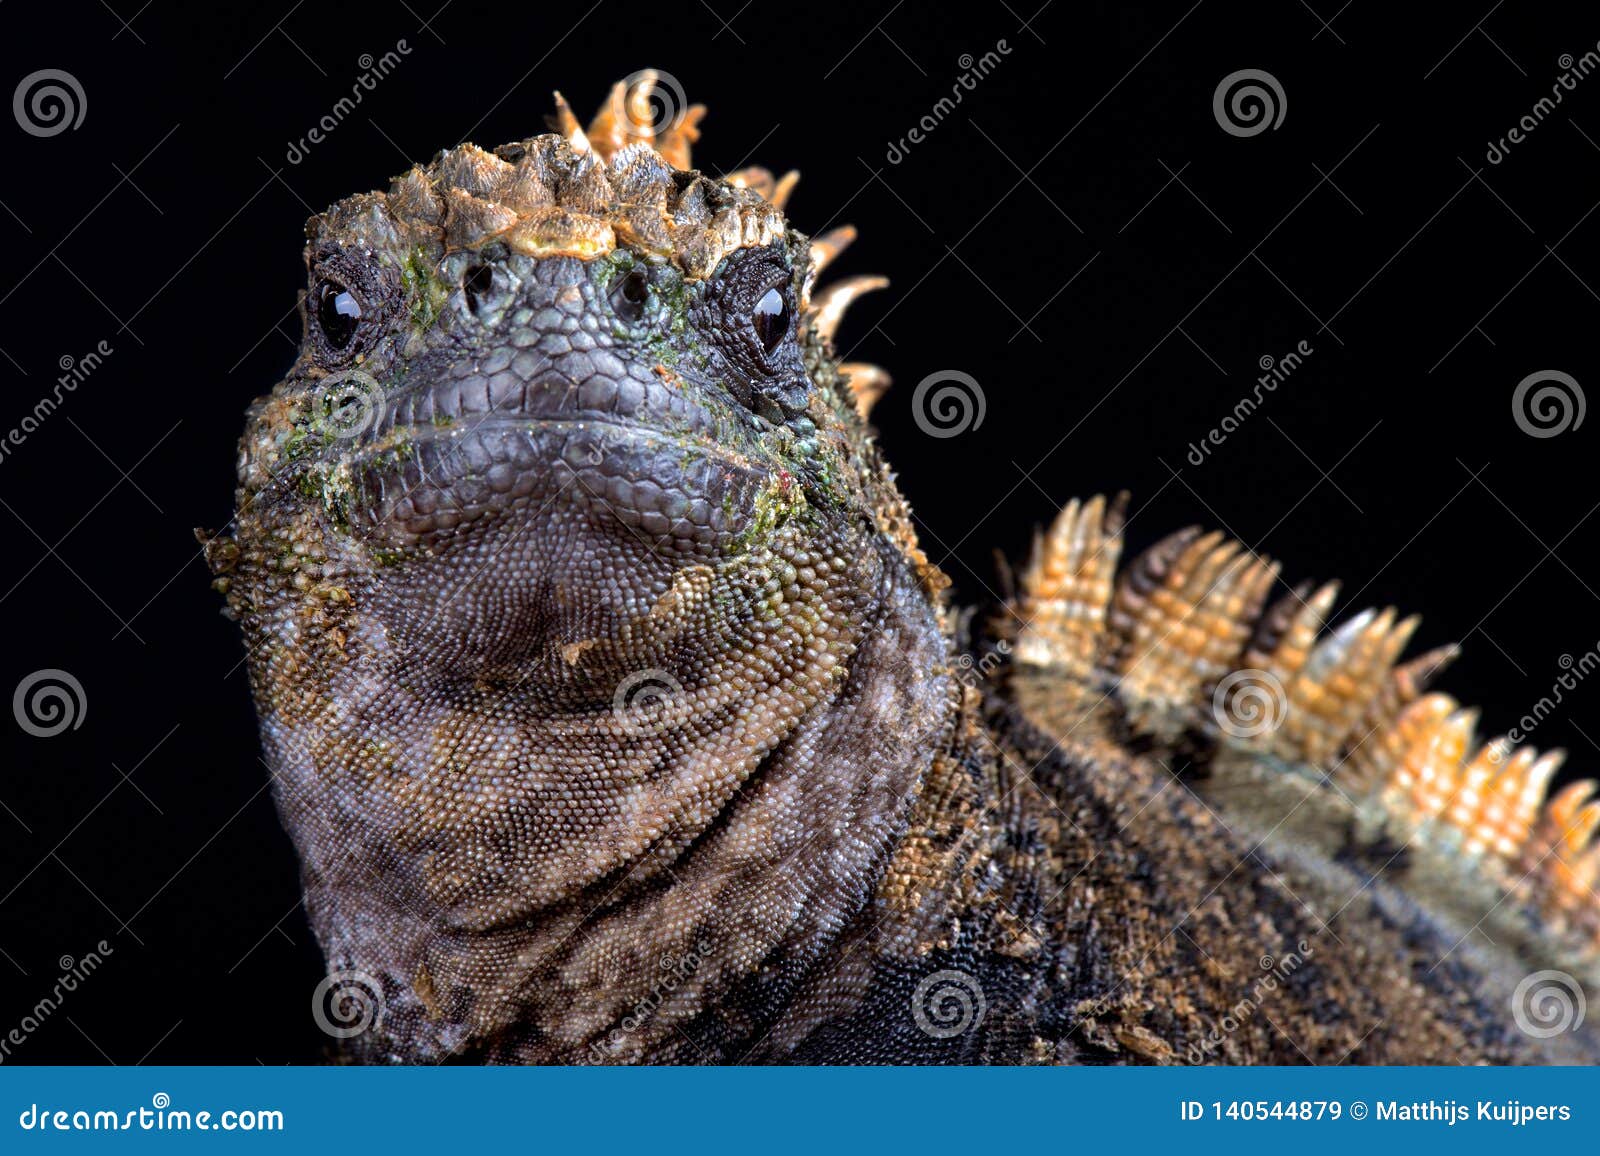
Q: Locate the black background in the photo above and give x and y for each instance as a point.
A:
(1080, 235)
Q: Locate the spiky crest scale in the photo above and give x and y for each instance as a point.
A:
(1167, 637)
(577, 194)
(867, 383)
(584, 193)
(1069, 581)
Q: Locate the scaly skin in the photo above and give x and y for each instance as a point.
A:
(616, 715)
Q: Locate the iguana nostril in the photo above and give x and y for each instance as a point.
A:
(631, 296)
(477, 283)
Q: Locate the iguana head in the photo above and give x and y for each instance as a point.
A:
(586, 625)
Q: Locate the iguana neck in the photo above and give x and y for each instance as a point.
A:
(581, 864)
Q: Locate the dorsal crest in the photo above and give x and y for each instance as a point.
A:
(1182, 641)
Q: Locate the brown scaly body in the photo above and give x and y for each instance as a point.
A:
(617, 716)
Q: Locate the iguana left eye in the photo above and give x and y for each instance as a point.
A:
(770, 318)
(338, 312)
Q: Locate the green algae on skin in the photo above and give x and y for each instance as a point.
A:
(426, 294)
(777, 502)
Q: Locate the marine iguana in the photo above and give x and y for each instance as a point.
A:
(617, 716)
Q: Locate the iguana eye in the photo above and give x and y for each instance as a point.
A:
(630, 296)
(338, 313)
(770, 318)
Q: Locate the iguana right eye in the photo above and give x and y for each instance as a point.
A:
(770, 319)
(338, 313)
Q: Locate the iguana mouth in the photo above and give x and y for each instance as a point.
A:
(450, 410)
(602, 428)
(470, 392)
(677, 491)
